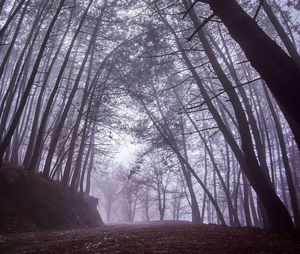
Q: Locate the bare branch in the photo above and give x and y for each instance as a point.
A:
(191, 7)
(258, 9)
(201, 25)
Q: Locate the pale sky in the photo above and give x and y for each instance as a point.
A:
(126, 153)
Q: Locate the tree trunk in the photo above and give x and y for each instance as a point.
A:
(196, 218)
(18, 71)
(63, 117)
(281, 73)
(10, 18)
(2, 2)
(253, 209)
(215, 166)
(282, 34)
(285, 159)
(91, 162)
(246, 202)
(12, 42)
(17, 116)
(34, 129)
(87, 91)
(37, 147)
(170, 141)
(277, 213)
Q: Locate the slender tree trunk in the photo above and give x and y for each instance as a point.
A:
(282, 34)
(12, 104)
(196, 218)
(174, 147)
(84, 168)
(30, 83)
(37, 147)
(10, 18)
(78, 163)
(147, 204)
(34, 129)
(252, 121)
(236, 190)
(23, 129)
(280, 72)
(246, 202)
(216, 168)
(12, 42)
(205, 183)
(18, 71)
(281, 181)
(2, 3)
(57, 131)
(277, 213)
(91, 162)
(253, 209)
(285, 159)
(85, 97)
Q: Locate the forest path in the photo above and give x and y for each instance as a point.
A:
(151, 237)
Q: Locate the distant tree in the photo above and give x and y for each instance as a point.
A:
(109, 190)
(129, 194)
(158, 176)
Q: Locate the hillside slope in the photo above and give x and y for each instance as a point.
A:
(30, 202)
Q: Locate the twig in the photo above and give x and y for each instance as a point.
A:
(218, 94)
(258, 9)
(191, 7)
(201, 25)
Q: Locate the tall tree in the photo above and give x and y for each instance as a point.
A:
(280, 71)
(38, 143)
(6, 141)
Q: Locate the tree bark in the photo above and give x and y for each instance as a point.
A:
(10, 18)
(277, 213)
(12, 42)
(17, 116)
(282, 34)
(34, 128)
(196, 218)
(37, 147)
(285, 159)
(170, 141)
(281, 72)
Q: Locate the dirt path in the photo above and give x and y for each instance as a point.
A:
(152, 237)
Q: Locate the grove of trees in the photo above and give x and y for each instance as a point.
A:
(209, 88)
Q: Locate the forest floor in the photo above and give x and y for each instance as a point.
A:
(151, 237)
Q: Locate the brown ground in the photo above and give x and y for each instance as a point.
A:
(152, 237)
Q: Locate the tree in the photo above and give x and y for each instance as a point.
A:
(280, 72)
(105, 68)
(17, 116)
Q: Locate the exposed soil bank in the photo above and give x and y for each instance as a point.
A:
(29, 202)
(152, 237)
